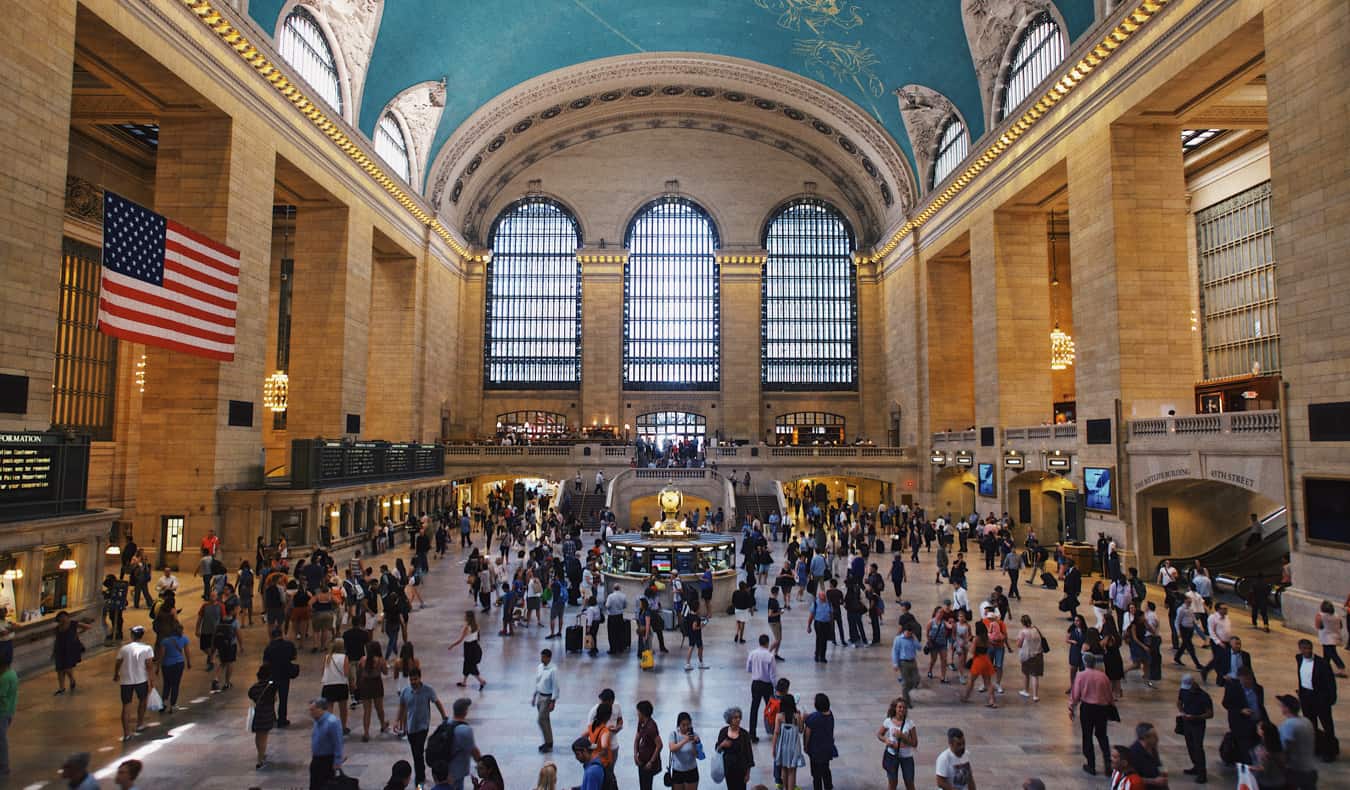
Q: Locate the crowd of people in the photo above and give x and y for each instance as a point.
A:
(357, 613)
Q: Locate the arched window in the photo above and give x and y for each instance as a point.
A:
(952, 147)
(532, 328)
(392, 146)
(671, 298)
(1039, 51)
(809, 326)
(532, 424)
(303, 45)
(660, 427)
(809, 427)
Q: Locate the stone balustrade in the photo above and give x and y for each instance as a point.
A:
(1254, 424)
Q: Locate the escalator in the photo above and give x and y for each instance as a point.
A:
(1232, 563)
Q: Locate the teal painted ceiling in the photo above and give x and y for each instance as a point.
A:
(864, 49)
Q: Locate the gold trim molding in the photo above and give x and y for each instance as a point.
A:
(225, 30)
(1128, 26)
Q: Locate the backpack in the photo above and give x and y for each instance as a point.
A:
(441, 743)
(1138, 590)
(771, 711)
(223, 637)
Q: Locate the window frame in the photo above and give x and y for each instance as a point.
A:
(527, 284)
(768, 278)
(678, 270)
(400, 143)
(286, 31)
(944, 146)
(1032, 63)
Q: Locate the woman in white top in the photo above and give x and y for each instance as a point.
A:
(337, 680)
(1030, 652)
(902, 740)
(1330, 633)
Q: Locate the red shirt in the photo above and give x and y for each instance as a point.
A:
(210, 543)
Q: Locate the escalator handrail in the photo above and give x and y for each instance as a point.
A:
(1236, 541)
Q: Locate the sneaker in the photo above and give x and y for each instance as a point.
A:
(998, 688)
(702, 665)
(1023, 694)
(215, 685)
(688, 667)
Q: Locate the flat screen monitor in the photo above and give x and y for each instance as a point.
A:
(1327, 502)
(661, 564)
(986, 475)
(1097, 489)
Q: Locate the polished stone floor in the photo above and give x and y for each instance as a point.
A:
(207, 747)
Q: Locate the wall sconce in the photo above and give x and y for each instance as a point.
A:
(13, 574)
(335, 513)
(112, 550)
(68, 564)
(386, 504)
(140, 373)
(407, 500)
(276, 391)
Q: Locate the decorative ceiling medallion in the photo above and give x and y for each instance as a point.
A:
(672, 90)
(765, 104)
(704, 92)
(796, 115)
(822, 127)
(869, 167)
(640, 92)
(522, 126)
(734, 96)
(847, 145)
(609, 96)
(581, 104)
(473, 165)
(551, 112)
(497, 142)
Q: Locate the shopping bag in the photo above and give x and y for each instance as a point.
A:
(646, 660)
(154, 701)
(717, 767)
(1245, 779)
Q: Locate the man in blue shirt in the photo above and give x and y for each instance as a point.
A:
(904, 657)
(593, 775)
(414, 718)
(822, 622)
(325, 744)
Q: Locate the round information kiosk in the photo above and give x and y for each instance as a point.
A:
(671, 548)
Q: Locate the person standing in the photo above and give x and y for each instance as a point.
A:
(67, 649)
(821, 621)
(615, 605)
(133, 670)
(414, 718)
(646, 746)
(953, 765)
(546, 697)
(1194, 708)
(279, 657)
(820, 746)
(1091, 695)
(264, 718)
(1012, 565)
(1316, 688)
(763, 669)
(325, 744)
(693, 627)
(738, 756)
(787, 742)
(684, 746)
(1298, 738)
(1031, 654)
(775, 618)
(901, 737)
(9, 700)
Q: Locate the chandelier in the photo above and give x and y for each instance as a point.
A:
(1061, 349)
(276, 391)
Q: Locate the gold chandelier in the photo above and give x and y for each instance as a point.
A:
(1061, 349)
(276, 391)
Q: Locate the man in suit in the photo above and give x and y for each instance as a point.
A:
(1238, 660)
(1245, 701)
(1073, 585)
(1316, 687)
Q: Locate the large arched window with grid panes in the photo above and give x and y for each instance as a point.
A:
(953, 145)
(809, 304)
(1039, 51)
(392, 145)
(532, 329)
(302, 44)
(672, 335)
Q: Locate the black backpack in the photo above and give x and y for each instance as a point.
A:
(441, 743)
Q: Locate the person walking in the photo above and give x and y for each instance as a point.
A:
(820, 619)
(473, 650)
(325, 744)
(263, 720)
(1012, 565)
(545, 697)
(901, 737)
(1031, 654)
(133, 670)
(763, 669)
(370, 672)
(1316, 688)
(738, 755)
(646, 746)
(67, 650)
(820, 746)
(981, 667)
(1092, 698)
(1194, 708)
(1330, 628)
(953, 767)
(693, 627)
(336, 681)
(904, 658)
(1299, 742)
(174, 657)
(787, 742)
(742, 602)
(685, 746)
(414, 719)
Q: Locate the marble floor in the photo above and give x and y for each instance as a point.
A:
(206, 747)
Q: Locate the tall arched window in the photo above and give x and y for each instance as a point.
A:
(672, 335)
(532, 328)
(1039, 51)
(392, 146)
(809, 327)
(952, 147)
(303, 45)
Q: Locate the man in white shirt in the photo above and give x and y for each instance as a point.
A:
(960, 598)
(615, 604)
(134, 668)
(1220, 632)
(546, 696)
(953, 765)
(600, 481)
(167, 583)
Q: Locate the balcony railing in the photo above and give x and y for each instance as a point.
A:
(1041, 433)
(612, 454)
(955, 437)
(1264, 424)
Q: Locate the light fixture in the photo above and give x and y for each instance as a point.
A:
(14, 573)
(335, 513)
(140, 373)
(112, 550)
(276, 391)
(68, 564)
(407, 500)
(1062, 350)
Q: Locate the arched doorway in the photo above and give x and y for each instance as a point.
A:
(1045, 502)
(1186, 517)
(954, 492)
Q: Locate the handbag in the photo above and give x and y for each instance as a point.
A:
(1045, 644)
(667, 778)
(1180, 729)
(1112, 713)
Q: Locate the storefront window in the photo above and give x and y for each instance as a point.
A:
(55, 581)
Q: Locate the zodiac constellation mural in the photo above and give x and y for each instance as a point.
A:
(846, 63)
(815, 14)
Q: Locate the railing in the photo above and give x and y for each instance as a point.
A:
(954, 437)
(1066, 431)
(882, 452)
(616, 452)
(1247, 423)
(611, 454)
(1041, 433)
(726, 452)
(790, 452)
(551, 450)
(670, 474)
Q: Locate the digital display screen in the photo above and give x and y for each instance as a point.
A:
(1098, 494)
(660, 564)
(986, 476)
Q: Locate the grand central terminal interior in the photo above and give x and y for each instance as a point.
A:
(279, 272)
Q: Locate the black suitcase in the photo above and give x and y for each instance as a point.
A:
(573, 637)
(1048, 581)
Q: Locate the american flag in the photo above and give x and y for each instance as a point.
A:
(165, 285)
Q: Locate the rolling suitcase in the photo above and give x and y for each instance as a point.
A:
(573, 637)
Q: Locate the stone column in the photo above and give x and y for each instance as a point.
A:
(741, 412)
(329, 320)
(394, 351)
(950, 390)
(1307, 69)
(41, 43)
(216, 177)
(602, 339)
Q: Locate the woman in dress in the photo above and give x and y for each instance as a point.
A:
(960, 648)
(980, 666)
(264, 696)
(370, 672)
(1032, 658)
(738, 756)
(1075, 639)
(939, 629)
(67, 649)
(1112, 663)
(684, 746)
(473, 651)
(323, 615)
(337, 680)
(1330, 633)
(787, 742)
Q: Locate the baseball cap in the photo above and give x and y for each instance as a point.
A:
(137, 630)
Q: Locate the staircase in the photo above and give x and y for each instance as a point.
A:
(587, 506)
(756, 506)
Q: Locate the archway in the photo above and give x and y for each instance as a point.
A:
(1187, 517)
(1037, 500)
(954, 492)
